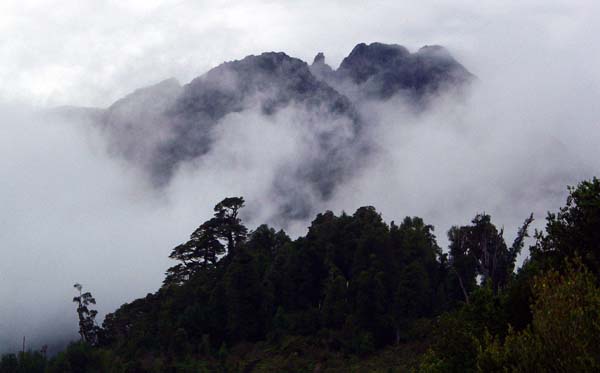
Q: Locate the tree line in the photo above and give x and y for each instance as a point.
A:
(355, 285)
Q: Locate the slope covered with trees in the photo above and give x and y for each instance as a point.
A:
(356, 293)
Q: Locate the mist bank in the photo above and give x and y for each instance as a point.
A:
(74, 212)
(166, 126)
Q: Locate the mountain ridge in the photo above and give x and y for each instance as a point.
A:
(163, 126)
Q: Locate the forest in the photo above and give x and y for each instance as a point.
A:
(357, 294)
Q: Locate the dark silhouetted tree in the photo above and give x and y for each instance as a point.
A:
(88, 330)
(200, 252)
(229, 226)
(205, 246)
(480, 249)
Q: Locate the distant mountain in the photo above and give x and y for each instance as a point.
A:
(139, 124)
(268, 82)
(384, 70)
(160, 127)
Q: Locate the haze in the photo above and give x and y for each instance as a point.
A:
(71, 212)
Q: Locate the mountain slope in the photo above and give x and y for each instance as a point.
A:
(383, 70)
(162, 127)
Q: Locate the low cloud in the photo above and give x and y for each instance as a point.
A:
(72, 212)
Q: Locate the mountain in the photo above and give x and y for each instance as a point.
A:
(161, 127)
(383, 70)
(268, 82)
(356, 294)
(138, 124)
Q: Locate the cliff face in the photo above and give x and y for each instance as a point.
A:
(381, 71)
(163, 126)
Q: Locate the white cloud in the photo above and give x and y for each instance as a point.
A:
(65, 204)
(91, 53)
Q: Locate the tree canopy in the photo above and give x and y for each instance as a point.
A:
(353, 288)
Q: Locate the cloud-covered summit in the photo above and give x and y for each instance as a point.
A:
(384, 70)
(165, 126)
(528, 120)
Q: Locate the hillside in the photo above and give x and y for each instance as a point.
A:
(357, 293)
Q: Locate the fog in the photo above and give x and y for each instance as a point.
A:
(73, 212)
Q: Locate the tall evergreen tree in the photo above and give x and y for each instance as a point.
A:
(200, 252)
(229, 225)
(205, 245)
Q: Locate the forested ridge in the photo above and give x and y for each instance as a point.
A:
(357, 294)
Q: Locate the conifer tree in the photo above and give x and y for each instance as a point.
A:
(205, 245)
(229, 225)
(200, 252)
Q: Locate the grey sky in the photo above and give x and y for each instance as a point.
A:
(91, 53)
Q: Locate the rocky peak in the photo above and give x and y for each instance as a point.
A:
(382, 70)
(319, 59)
(320, 69)
(367, 60)
(164, 125)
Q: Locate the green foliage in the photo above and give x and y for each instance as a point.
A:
(565, 333)
(353, 282)
(574, 230)
(82, 357)
(243, 290)
(519, 295)
(455, 345)
(357, 294)
(458, 335)
(204, 247)
(200, 252)
(24, 362)
(9, 363)
(335, 306)
(480, 249)
(228, 223)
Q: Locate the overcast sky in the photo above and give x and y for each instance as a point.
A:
(92, 52)
(68, 212)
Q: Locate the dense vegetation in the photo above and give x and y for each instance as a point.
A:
(357, 294)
